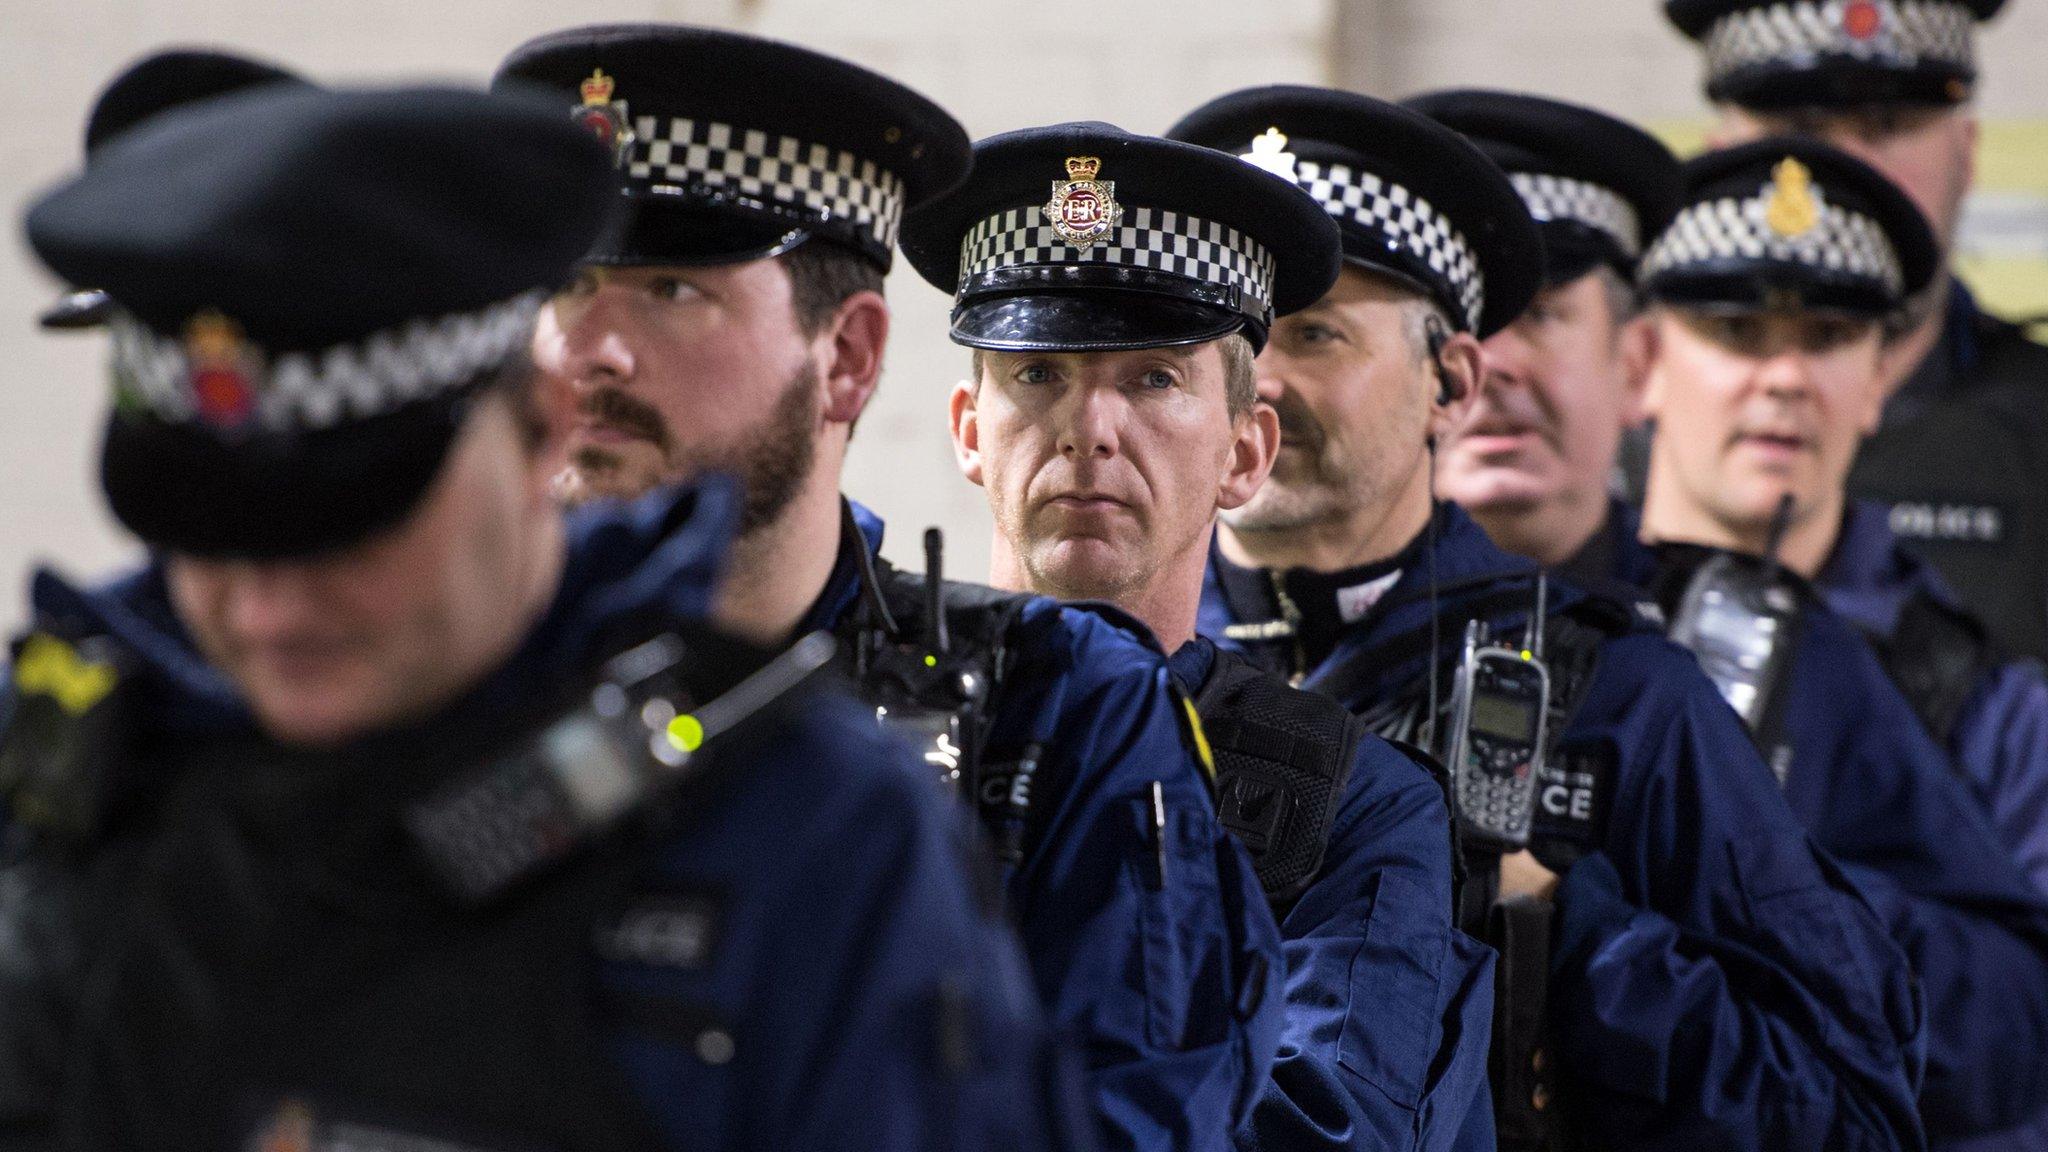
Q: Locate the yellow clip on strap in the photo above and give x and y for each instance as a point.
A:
(49, 667)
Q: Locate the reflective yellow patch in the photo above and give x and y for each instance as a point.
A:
(50, 667)
(1192, 722)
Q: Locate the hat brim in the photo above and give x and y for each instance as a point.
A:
(657, 232)
(86, 309)
(189, 491)
(1093, 322)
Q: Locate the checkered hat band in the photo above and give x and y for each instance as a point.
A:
(1404, 218)
(815, 181)
(1563, 198)
(1841, 242)
(310, 391)
(1904, 31)
(1145, 238)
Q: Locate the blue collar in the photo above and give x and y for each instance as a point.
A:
(1870, 575)
(842, 588)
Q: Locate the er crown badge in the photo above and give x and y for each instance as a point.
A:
(222, 370)
(604, 116)
(1792, 207)
(1083, 209)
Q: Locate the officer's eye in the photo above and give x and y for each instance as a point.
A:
(1034, 373)
(584, 284)
(1159, 379)
(669, 288)
(1818, 336)
(1744, 335)
(1313, 334)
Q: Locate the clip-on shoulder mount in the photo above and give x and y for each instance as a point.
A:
(1283, 758)
(931, 655)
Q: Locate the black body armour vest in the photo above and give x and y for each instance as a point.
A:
(265, 959)
(1965, 474)
(1283, 758)
(1937, 655)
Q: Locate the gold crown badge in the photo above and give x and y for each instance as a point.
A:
(597, 89)
(1792, 208)
(1083, 167)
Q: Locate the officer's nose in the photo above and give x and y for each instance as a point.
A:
(1786, 375)
(1505, 356)
(591, 345)
(1088, 422)
(271, 602)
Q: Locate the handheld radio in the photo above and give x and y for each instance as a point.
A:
(1500, 706)
(1737, 617)
(922, 688)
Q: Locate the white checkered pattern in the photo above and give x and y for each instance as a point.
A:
(1552, 197)
(811, 178)
(1144, 238)
(1841, 241)
(1404, 218)
(309, 391)
(1796, 33)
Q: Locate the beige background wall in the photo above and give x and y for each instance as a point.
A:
(997, 64)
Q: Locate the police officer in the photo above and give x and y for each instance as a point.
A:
(737, 322)
(156, 83)
(382, 810)
(1112, 411)
(1962, 448)
(1834, 721)
(1770, 288)
(1712, 978)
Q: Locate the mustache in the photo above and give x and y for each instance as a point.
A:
(1298, 426)
(627, 413)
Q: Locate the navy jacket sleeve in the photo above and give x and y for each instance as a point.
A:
(2001, 742)
(1169, 976)
(1389, 1006)
(1883, 798)
(873, 997)
(1716, 977)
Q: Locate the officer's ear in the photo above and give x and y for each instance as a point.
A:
(964, 420)
(1638, 347)
(849, 355)
(1643, 352)
(1454, 383)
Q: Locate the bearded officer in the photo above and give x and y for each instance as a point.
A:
(1111, 413)
(1961, 452)
(737, 322)
(1707, 967)
(381, 809)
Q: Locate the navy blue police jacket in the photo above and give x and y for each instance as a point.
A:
(1716, 980)
(1883, 798)
(1169, 978)
(803, 959)
(2000, 735)
(1389, 1005)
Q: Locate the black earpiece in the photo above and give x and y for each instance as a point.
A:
(1437, 337)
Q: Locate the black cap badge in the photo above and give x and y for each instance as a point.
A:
(605, 117)
(1083, 209)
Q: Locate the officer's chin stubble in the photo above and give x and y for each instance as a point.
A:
(336, 646)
